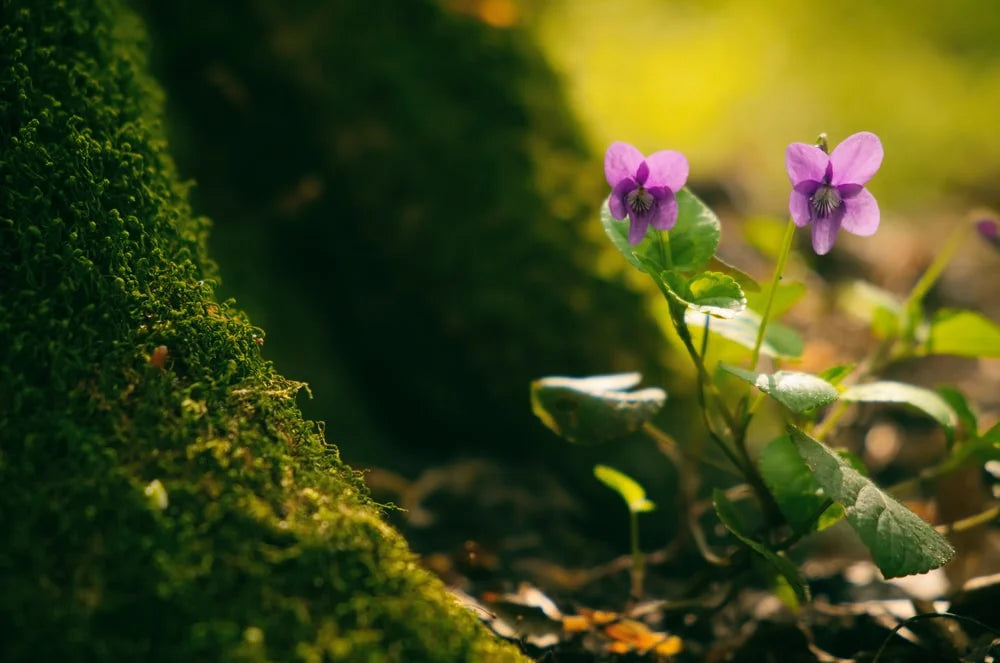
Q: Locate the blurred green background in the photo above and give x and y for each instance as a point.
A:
(405, 194)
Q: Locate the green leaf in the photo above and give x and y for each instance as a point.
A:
(785, 297)
(626, 486)
(791, 483)
(709, 293)
(686, 247)
(779, 340)
(835, 374)
(924, 400)
(730, 518)
(900, 542)
(879, 308)
(963, 333)
(747, 282)
(799, 392)
(594, 409)
(696, 236)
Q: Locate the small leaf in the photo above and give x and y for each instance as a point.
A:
(686, 247)
(730, 518)
(594, 409)
(779, 340)
(709, 293)
(717, 264)
(963, 333)
(924, 400)
(900, 542)
(626, 486)
(836, 374)
(799, 392)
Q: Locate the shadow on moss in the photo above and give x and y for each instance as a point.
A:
(398, 192)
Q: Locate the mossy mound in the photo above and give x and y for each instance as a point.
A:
(157, 507)
(417, 175)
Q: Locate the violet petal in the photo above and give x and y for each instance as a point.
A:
(989, 230)
(798, 207)
(856, 159)
(642, 173)
(861, 214)
(620, 162)
(805, 162)
(616, 203)
(664, 213)
(638, 224)
(668, 168)
(824, 233)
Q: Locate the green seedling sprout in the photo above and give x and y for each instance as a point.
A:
(635, 499)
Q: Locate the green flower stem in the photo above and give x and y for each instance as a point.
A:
(677, 317)
(743, 462)
(786, 246)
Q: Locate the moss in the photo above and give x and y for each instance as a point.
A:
(404, 193)
(182, 512)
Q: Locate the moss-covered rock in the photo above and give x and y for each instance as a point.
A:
(157, 506)
(404, 195)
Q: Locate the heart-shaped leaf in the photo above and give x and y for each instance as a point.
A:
(709, 293)
(900, 542)
(594, 409)
(687, 247)
(799, 392)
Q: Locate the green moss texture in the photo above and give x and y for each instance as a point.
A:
(402, 192)
(183, 512)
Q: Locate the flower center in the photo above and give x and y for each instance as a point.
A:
(825, 201)
(639, 200)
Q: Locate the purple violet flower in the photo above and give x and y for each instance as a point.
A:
(829, 192)
(643, 188)
(988, 230)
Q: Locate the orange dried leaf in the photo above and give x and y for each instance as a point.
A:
(618, 648)
(575, 624)
(672, 645)
(600, 617)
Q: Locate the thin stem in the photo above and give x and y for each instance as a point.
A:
(807, 529)
(831, 420)
(637, 560)
(786, 246)
(934, 270)
(972, 521)
(677, 317)
(674, 451)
